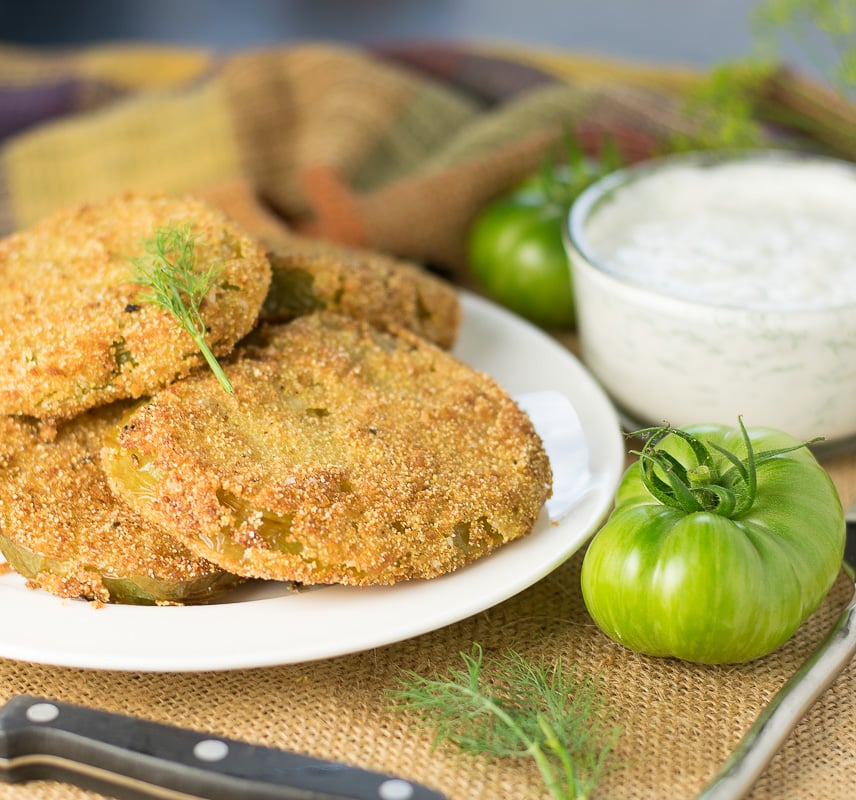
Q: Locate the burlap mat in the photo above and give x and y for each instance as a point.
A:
(679, 720)
(372, 151)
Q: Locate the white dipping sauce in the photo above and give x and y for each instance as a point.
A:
(711, 290)
(751, 235)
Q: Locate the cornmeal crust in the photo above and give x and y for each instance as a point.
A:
(62, 528)
(345, 455)
(310, 275)
(74, 332)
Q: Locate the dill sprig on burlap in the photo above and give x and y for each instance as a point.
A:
(510, 706)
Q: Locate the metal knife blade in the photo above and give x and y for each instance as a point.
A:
(134, 759)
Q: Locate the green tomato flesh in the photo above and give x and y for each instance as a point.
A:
(701, 587)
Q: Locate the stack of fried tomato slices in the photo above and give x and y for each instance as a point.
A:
(353, 447)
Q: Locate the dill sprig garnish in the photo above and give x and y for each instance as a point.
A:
(169, 271)
(825, 25)
(564, 178)
(736, 96)
(513, 707)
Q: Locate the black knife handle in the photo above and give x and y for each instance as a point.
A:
(135, 759)
(850, 541)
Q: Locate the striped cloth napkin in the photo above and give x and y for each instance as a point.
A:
(395, 147)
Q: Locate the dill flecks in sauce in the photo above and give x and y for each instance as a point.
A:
(751, 234)
(713, 285)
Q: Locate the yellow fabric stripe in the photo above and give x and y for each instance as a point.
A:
(144, 144)
(124, 66)
(144, 67)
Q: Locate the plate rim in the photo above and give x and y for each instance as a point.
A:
(52, 646)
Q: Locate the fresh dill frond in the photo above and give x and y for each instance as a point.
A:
(562, 176)
(728, 104)
(824, 30)
(169, 271)
(725, 102)
(513, 707)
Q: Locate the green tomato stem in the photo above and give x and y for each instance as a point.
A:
(699, 476)
(699, 486)
(702, 486)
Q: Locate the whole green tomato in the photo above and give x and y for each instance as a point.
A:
(722, 541)
(517, 255)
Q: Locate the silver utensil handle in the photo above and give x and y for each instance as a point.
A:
(769, 731)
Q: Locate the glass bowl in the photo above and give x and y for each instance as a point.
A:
(716, 285)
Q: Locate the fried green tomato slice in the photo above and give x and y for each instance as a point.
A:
(63, 530)
(310, 275)
(346, 455)
(74, 331)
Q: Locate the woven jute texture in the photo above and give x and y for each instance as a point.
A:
(396, 150)
(679, 720)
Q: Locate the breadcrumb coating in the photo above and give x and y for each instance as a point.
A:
(346, 455)
(62, 528)
(74, 333)
(310, 275)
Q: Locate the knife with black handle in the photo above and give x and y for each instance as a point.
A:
(134, 759)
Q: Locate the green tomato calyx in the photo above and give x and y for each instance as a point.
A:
(703, 485)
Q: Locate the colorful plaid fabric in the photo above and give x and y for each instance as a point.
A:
(394, 148)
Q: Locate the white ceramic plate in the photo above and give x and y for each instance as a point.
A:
(265, 624)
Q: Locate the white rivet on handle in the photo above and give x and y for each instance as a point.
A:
(211, 750)
(42, 712)
(395, 789)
